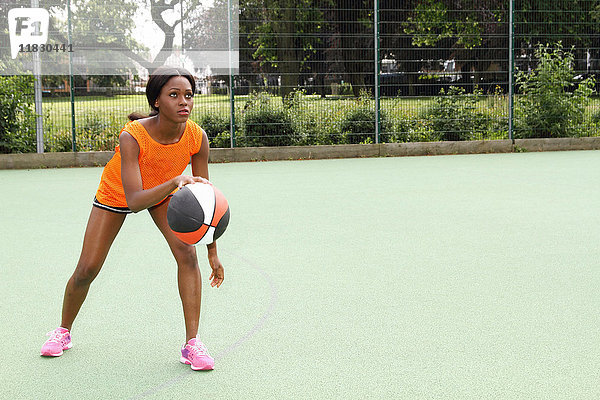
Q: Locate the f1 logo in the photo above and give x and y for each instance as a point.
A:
(27, 26)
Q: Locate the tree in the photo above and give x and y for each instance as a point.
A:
(98, 26)
(354, 25)
(549, 23)
(474, 35)
(284, 35)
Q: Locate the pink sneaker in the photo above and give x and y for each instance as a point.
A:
(60, 339)
(194, 353)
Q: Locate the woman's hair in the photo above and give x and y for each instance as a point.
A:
(158, 79)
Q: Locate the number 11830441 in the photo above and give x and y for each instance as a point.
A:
(41, 48)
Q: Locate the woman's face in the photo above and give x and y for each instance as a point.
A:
(176, 99)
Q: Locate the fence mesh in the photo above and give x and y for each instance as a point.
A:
(312, 72)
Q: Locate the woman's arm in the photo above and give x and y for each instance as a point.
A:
(137, 198)
(200, 169)
(200, 159)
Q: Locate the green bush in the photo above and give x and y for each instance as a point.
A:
(98, 132)
(222, 140)
(496, 113)
(61, 141)
(267, 127)
(264, 124)
(341, 89)
(400, 131)
(358, 125)
(313, 122)
(421, 131)
(552, 104)
(455, 115)
(316, 130)
(216, 128)
(17, 115)
(55, 138)
(595, 117)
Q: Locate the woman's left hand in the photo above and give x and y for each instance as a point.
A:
(218, 273)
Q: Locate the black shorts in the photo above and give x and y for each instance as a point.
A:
(120, 210)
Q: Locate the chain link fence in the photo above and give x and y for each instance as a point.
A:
(313, 72)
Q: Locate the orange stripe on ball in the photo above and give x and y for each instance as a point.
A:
(221, 207)
(192, 237)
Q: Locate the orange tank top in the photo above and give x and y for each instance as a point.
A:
(158, 162)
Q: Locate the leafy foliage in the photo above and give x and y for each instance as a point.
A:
(17, 116)
(264, 124)
(217, 129)
(97, 132)
(358, 125)
(434, 21)
(456, 116)
(314, 122)
(552, 103)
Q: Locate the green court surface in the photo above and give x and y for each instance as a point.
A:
(451, 277)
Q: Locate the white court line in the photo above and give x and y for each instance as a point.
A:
(258, 326)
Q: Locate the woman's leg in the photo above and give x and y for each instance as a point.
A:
(188, 272)
(102, 228)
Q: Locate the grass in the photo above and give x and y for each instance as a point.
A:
(58, 109)
(317, 119)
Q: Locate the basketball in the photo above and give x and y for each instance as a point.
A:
(198, 213)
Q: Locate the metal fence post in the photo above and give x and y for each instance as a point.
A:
(511, 65)
(231, 78)
(37, 87)
(376, 46)
(71, 80)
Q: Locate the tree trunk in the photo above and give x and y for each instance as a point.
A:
(356, 42)
(287, 52)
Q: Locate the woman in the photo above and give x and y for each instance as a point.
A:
(143, 174)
